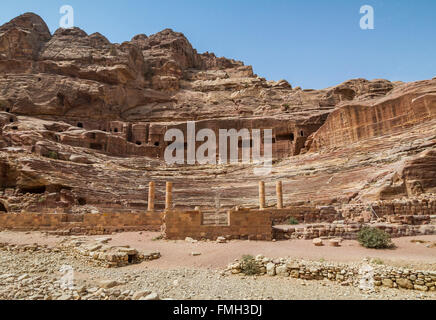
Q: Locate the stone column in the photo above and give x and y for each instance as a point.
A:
(261, 195)
(151, 196)
(279, 191)
(169, 196)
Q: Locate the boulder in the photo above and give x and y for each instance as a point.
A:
(151, 296)
(221, 240)
(318, 242)
(387, 283)
(271, 269)
(334, 243)
(140, 294)
(404, 283)
(282, 271)
(80, 159)
(107, 284)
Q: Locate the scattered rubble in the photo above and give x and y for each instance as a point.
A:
(100, 253)
(95, 252)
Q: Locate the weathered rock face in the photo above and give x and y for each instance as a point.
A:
(419, 173)
(82, 124)
(23, 37)
(403, 108)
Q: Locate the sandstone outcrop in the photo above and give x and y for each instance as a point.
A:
(403, 108)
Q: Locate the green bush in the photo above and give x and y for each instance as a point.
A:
(249, 266)
(53, 155)
(374, 238)
(377, 261)
(293, 221)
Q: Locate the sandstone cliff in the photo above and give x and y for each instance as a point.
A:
(82, 123)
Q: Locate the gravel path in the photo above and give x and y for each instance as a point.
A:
(36, 275)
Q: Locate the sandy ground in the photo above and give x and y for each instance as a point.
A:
(217, 256)
(179, 275)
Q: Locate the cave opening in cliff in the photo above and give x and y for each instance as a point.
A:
(14, 128)
(34, 189)
(8, 109)
(156, 144)
(130, 258)
(3, 208)
(61, 98)
(285, 137)
(11, 120)
(116, 130)
(96, 146)
(138, 143)
(79, 125)
(302, 133)
(81, 201)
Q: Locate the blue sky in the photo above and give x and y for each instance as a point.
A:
(310, 43)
